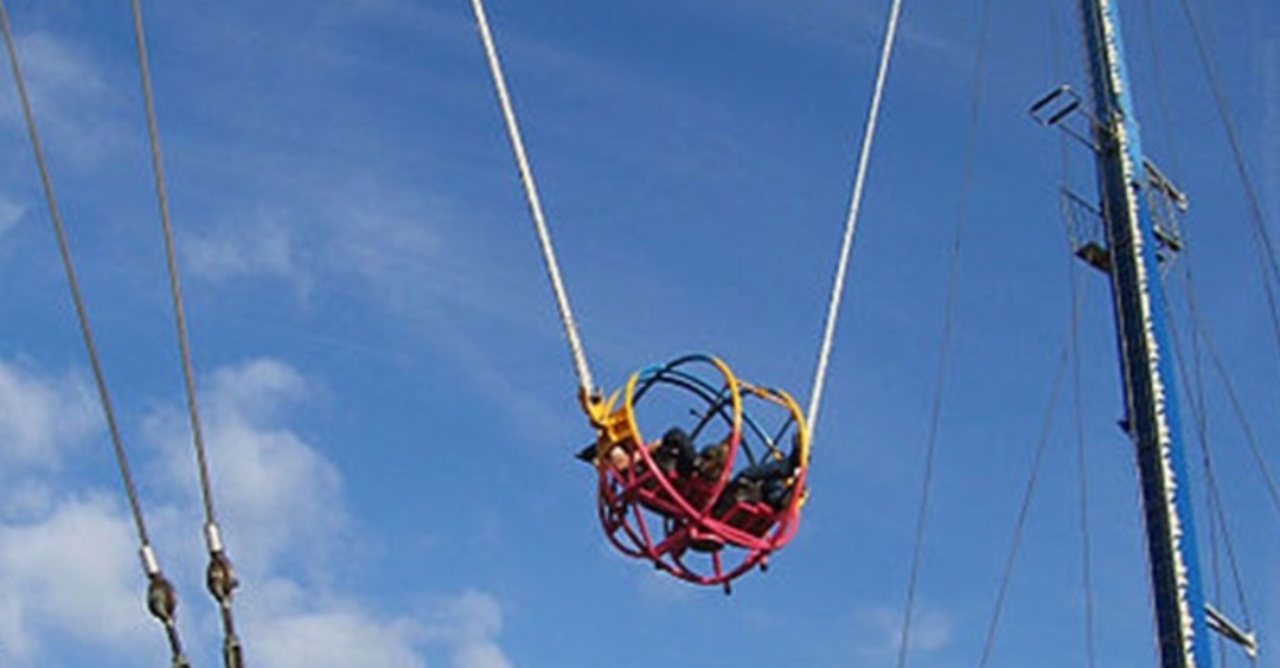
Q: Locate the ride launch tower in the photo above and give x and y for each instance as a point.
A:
(1134, 243)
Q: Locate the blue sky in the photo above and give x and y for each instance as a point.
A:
(387, 396)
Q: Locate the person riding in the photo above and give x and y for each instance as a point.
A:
(769, 481)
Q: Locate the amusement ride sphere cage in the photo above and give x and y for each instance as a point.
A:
(711, 514)
(717, 507)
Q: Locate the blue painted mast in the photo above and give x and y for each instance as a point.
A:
(1145, 352)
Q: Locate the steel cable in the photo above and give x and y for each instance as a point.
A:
(1077, 391)
(1264, 247)
(1028, 494)
(220, 577)
(1217, 509)
(161, 599)
(944, 346)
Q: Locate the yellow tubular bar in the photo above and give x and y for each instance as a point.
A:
(617, 425)
(781, 397)
(613, 428)
(735, 392)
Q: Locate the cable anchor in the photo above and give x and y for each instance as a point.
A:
(221, 580)
(162, 602)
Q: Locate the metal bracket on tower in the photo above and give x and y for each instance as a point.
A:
(1166, 202)
(1063, 108)
(1084, 229)
(1060, 108)
(1084, 220)
(1246, 640)
(1162, 184)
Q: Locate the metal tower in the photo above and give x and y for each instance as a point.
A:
(1133, 244)
(1131, 248)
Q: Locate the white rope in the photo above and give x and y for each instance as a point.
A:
(851, 224)
(535, 205)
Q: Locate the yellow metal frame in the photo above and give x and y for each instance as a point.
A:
(618, 426)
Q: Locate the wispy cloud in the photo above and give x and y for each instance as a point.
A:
(41, 419)
(828, 24)
(658, 588)
(1271, 125)
(262, 248)
(392, 244)
(879, 631)
(10, 213)
(72, 100)
(334, 235)
(355, 236)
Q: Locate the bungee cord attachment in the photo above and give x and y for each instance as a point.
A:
(162, 601)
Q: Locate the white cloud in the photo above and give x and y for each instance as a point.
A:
(73, 573)
(274, 491)
(290, 629)
(255, 391)
(279, 493)
(40, 419)
(486, 655)
(469, 625)
(68, 565)
(279, 614)
(337, 638)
